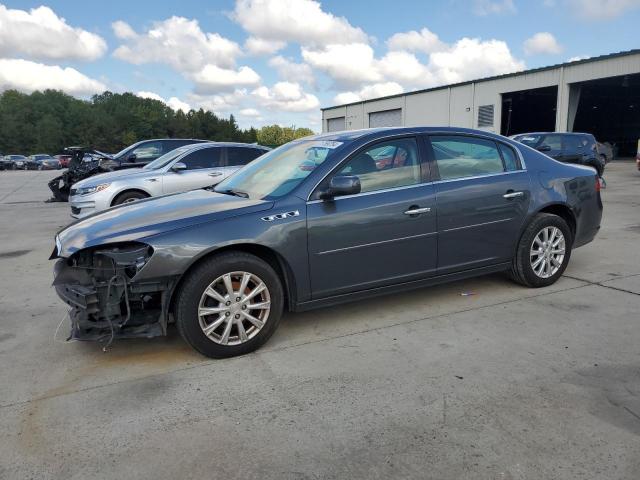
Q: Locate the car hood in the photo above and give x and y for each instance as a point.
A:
(136, 221)
(112, 176)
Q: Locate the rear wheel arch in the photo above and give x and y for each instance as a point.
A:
(563, 211)
(270, 256)
(559, 209)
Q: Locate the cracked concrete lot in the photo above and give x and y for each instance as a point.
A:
(507, 383)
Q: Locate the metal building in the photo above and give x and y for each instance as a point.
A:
(599, 95)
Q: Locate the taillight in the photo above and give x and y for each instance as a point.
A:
(598, 186)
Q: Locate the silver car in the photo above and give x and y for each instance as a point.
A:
(186, 168)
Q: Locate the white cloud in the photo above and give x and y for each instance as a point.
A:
(291, 71)
(492, 7)
(577, 58)
(177, 42)
(213, 78)
(354, 66)
(219, 102)
(370, 91)
(174, 102)
(250, 112)
(471, 58)
(542, 43)
(301, 21)
(123, 30)
(27, 77)
(348, 65)
(423, 41)
(259, 46)
(404, 68)
(41, 34)
(285, 96)
(177, 104)
(602, 9)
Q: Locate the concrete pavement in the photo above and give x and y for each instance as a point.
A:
(506, 383)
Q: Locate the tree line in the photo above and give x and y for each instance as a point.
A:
(49, 121)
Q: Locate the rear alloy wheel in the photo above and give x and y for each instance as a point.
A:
(129, 197)
(547, 252)
(230, 305)
(543, 251)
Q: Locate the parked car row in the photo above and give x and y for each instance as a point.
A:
(319, 221)
(188, 167)
(39, 161)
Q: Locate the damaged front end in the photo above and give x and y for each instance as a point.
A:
(107, 299)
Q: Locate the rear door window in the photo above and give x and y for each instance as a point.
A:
(465, 156)
(203, 158)
(238, 156)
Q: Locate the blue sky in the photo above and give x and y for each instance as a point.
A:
(301, 54)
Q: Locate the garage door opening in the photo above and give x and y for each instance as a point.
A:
(529, 111)
(610, 110)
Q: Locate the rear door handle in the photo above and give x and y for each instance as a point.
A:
(215, 174)
(417, 211)
(513, 194)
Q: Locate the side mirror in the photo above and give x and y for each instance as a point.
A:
(340, 186)
(132, 157)
(178, 166)
(544, 148)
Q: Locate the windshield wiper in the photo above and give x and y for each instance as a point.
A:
(231, 191)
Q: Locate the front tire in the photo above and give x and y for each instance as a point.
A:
(229, 305)
(543, 252)
(128, 197)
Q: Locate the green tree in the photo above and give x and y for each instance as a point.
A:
(275, 135)
(48, 121)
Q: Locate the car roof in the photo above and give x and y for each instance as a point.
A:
(373, 133)
(551, 133)
(197, 146)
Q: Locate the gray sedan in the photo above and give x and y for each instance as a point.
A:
(186, 168)
(320, 221)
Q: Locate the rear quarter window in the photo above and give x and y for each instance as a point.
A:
(510, 158)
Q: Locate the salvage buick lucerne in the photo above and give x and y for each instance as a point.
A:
(322, 220)
(185, 168)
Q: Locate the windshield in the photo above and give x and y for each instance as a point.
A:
(528, 140)
(279, 171)
(165, 159)
(125, 149)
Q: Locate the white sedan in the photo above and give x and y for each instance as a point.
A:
(186, 168)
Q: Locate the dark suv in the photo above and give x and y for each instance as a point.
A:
(580, 148)
(141, 153)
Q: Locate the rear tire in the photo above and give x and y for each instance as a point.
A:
(539, 262)
(240, 329)
(128, 197)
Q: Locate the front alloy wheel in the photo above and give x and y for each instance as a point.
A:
(234, 308)
(229, 305)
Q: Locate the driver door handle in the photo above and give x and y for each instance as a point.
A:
(513, 194)
(215, 174)
(417, 211)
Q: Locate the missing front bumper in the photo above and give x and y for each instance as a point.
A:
(106, 304)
